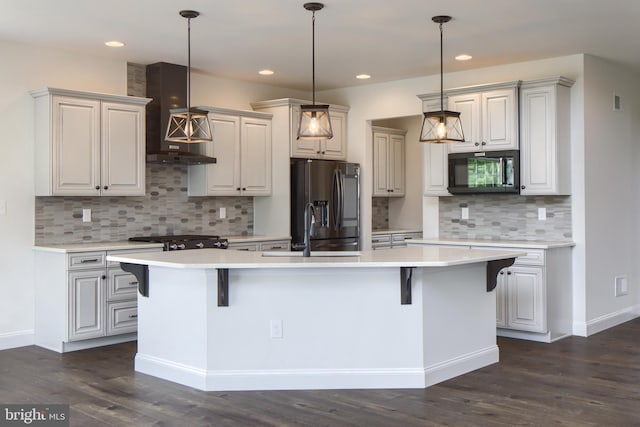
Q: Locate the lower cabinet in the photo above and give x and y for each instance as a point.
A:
(393, 240)
(83, 301)
(520, 296)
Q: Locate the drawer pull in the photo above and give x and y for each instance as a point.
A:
(84, 261)
(133, 283)
(133, 316)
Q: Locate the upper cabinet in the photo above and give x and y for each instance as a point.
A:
(489, 115)
(434, 156)
(242, 148)
(544, 137)
(286, 113)
(388, 162)
(89, 144)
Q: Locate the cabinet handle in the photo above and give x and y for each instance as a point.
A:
(508, 273)
(104, 277)
(97, 187)
(133, 316)
(244, 188)
(476, 144)
(323, 152)
(318, 152)
(133, 283)
(84, 261)
(523, 187)
(501, 273)
(484, 143)
(106, 187)
(237, 188)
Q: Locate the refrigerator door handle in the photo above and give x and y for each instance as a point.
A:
(338, 199)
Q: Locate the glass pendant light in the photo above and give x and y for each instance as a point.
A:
(188, 125)
(314, 119)
(443, 125)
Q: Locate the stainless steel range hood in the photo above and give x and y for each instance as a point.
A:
(167, 86)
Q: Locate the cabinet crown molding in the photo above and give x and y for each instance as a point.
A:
(389, 130)
(557, 80)
(37, 93)
(242, 113)
(474, 88)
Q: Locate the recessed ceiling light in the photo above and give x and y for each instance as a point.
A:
(266, 72)
(463, 57)
(363, 76)
(114, 43)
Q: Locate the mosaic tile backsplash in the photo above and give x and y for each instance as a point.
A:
(379, 213)
(506, 217)
(165, 209)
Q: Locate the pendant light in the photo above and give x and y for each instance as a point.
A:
(188, 125)
(314, 119)
(443, 125)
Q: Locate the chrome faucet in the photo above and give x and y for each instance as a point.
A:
(309, 220)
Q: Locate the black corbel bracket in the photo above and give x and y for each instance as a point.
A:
(405, 284)
(142, 274)
(493, 268)
(223, 287)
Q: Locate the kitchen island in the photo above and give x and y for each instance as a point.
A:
(232, 320)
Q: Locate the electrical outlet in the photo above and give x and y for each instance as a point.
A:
(464, 213)
(542, 214)
(222, 213)
(275, 328)
(621, 286)
(86, 215)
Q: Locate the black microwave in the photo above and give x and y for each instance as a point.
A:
(484, 172)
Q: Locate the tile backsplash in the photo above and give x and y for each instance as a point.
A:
(165, 209)
(379, 213)
(506, 217)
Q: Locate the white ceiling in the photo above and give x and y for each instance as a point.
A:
(389, 39)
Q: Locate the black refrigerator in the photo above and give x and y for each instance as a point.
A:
(333, 188)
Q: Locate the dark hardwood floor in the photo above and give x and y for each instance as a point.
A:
(573, 382)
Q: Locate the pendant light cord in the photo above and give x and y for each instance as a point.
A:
(441, 73)
(188, 65)
(313, 56)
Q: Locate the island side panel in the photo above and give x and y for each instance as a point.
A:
(341, 328)
(460, 321)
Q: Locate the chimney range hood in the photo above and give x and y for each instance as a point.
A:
(166, 85)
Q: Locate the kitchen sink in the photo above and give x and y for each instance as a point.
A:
(313, 253)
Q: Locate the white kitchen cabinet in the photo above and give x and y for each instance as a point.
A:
(287, 111)
(435, 157)
(388, 162)
(380, 241)
(89, 144)
(393, 239)
(520, 299)
(489, 116)
(263, 245)
(242, 148)
(83, 301)
(545, 161)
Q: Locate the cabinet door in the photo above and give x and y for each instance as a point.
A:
(538, 144)
(255, 155)
(223, 177)
(303, 148)
(76, 146)
(499, 120)
(380, 164)
(86, 304)
(122, 317)
(336, 147)
(526, 299)
(396, 165)
(121, 285)
(435, 173)
(469, 107)
(123, 150)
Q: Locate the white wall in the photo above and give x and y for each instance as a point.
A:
(25, 68)
(612, 147)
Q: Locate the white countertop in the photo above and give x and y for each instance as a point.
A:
(96, 246)
(401, 257)
(525, 244)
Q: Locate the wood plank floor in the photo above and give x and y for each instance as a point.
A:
(573, 382)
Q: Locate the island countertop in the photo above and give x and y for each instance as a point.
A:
(402, 257)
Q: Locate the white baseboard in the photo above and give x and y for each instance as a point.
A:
(311, 379)
(17, 339)
(609, 320)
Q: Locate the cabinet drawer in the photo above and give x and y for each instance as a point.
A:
(122, 317)
(86, 260)
(244, 246)
(275, 246)
(381, 241)
(533, 257)
(122, 285)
